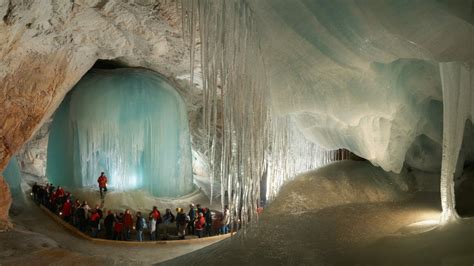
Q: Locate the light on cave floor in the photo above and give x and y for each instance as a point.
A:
(431, 221)
(425, 223)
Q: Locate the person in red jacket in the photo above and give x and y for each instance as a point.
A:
(102, 180)
(118, 228)
(127, 224)
(200, 224)
(155, 214)
(66, 210)
(94, 223)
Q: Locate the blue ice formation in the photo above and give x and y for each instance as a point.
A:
(130, 124)
(13, 176)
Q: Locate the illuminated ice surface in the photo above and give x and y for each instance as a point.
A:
(130, 124)
(13, 176)
(360, 75)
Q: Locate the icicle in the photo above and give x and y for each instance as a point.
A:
(456, 79)
(244, 139)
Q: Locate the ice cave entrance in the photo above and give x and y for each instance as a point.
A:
(129, 123)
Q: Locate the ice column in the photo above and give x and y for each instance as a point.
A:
(456, 79)
(130, 124)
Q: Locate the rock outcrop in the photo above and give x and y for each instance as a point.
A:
(47, 46)
(5, 203)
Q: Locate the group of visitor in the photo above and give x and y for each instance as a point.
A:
(120, 225)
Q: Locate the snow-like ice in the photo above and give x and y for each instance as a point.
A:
(359, 75)
(130, 124)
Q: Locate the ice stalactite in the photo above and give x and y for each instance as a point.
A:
(290, 154)
(130, 124)
(246, 140)
(458, 103)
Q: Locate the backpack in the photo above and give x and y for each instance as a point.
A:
(144, 225)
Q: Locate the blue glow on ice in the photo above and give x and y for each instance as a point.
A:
(130, 124)
(13, 176)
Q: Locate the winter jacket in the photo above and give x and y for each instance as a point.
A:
(156, 215)
(127, 220)
(67, 209)
(181, 218)
(102, 180)
(200, 222)
(109, 221)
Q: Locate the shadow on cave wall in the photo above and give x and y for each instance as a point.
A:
(464, 183)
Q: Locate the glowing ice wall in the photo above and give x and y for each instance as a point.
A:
(130, 124)
(13, 176)
(458, 103)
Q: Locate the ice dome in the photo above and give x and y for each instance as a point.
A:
(130, 124)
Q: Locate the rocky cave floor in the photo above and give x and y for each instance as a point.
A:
(38, 240)
(352, 234)
(358, 233)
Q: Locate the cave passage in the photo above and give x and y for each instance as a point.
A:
(130, 124)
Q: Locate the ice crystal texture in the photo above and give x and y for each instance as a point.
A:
(360, 75)
(130, 124)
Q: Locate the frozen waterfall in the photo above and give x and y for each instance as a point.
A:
(250, 143)
(130, 124)
(346, 74)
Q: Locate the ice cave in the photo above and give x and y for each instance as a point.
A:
(130, 124)
(277, 132)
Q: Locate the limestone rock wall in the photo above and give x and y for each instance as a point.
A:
(5, 203)
(47, 46)
(32, 156)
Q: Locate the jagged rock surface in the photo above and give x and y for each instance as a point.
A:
(47, 46)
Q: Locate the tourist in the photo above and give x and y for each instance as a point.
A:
(140, 225)
(225, 221)
(59, 195)
(35, 190)
(152, 228)
(81, 218)
(118, 228)
(199, 225)
(94, 223)
(182, 220)
(109, 224)
(192, 217)
(168, 219)
(99, 211)
(102, 180)
(66, 211)
(208, 219)
(199, 209)
(127, 224)
(86, 208)
(157, 216)
(75, 218)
